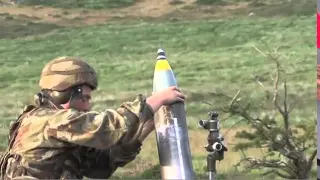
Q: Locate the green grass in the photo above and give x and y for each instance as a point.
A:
(282, 8)
(206, 56)
(264, 8)
(16, 26)
(87, 4)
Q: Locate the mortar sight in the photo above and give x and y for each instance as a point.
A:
(212, 124)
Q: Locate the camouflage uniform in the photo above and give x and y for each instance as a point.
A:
(48, 142)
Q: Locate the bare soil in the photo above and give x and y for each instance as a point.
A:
(142, 9)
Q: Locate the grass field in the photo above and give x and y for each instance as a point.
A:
(207, 56)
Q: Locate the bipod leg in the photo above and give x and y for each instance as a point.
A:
(211, 166)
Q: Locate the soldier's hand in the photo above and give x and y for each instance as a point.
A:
(171, 95)
(167, 96)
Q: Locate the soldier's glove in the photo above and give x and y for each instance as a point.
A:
(122, 154)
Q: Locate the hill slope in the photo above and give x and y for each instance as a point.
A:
(209, 48)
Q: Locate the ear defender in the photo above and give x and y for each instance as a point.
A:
(61, 97)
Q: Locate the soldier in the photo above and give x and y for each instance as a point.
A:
(60, 138)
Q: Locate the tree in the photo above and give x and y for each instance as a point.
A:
(291, 147)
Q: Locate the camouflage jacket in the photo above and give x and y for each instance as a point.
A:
(67, 144)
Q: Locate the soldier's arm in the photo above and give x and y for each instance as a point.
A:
(101, 164)
(100, 130)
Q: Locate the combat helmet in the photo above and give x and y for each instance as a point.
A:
(61, 76)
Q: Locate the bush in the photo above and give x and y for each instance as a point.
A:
(291, 147)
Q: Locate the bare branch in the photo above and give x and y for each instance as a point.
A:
(276, 50)
(233, 99)
(225, 118)
(311, 158)
(258, 163)
(275, 91)
(291, 107)
(271, 75)
(260, 83)
(232, 127)
(206, 102)
(286, 113)
(264, 54)
(283, 112)
(209, 104)
(267, 94)
(277, 76)
(244, 154)
(277, 173)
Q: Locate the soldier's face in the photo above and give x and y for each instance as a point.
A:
(82, 103)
